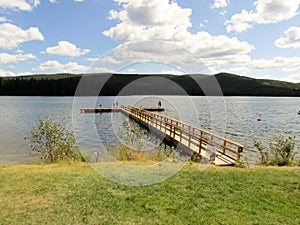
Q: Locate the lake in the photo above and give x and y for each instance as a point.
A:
(232, 117)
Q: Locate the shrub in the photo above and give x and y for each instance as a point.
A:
(280, 152)
(54, 142)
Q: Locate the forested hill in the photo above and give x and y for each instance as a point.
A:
(133, 84)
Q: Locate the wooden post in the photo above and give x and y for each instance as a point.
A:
(200, 142)
(224, 146)
(182, 128)
(189, 144)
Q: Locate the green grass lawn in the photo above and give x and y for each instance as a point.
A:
(75, 194)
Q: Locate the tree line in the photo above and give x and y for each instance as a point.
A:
(135, 84)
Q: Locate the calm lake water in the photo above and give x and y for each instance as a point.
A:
(232, 117)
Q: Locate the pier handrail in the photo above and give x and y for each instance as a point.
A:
(194, 135)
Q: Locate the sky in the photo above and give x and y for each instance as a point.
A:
(259, 39)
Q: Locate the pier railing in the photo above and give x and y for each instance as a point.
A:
(198, 140)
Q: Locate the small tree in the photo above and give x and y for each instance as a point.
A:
(54, 142)
(280, 152)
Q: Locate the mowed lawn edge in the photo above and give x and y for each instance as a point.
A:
(73, 193)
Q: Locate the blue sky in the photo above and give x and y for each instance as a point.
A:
(260, 39)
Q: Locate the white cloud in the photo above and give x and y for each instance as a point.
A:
(148, 17)
(173, 71)
(210, 70)
(19, 51)
(11, 35)
(19, 4)
(8, 58)
(239, 70)
(23, 5)
(220, 4)
(283, 63)
(78, 0)
(4, 73)
(158, 30)
(101, 70)
(223, 12)
(292, 39)
(55, 66)
(295, 78)
(266, 12)
(66, 48)
(107, 59)
(131, 70)
(36, 3)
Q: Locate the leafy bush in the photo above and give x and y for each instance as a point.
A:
(280, 152)
(283, 150)
(54, 142)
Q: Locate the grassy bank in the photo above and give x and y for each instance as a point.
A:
(75, 194)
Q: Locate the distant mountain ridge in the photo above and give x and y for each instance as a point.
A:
(144, 84)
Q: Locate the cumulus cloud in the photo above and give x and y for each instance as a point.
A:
(107, 59)
(220, 4)
(4, 73)
(36, 3)
(295, 78)
(19, 4)
(66, 48)
(55, 66)
(8, 58)
(239, 70)
(284, 63)
(141, 19)
(159, 30)
(266, 12)
(23, 5)
(11, 35)
(292, 39)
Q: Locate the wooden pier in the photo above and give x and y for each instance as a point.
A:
(117, 109)
(201, 143)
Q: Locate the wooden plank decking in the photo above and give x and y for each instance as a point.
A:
(200, 142)
(117, 109)
(197, 140)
